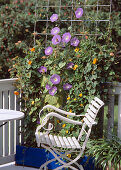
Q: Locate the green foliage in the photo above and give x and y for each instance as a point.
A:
(93, 66)
(16, 27)
(107, 153)
(94, 61)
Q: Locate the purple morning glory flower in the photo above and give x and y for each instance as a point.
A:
(74, 42)
(56, 39)
(54, 17)
(53, 90)
(55, 30)
(79, 12)
(42, 69)
(70, 65)
(55, 79)
(66, 37)
(48, 50)
(67, 86)
(48, 87)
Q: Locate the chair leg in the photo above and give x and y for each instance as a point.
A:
(59, 158)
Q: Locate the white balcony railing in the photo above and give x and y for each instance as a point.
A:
(113, 92)
(9, 136)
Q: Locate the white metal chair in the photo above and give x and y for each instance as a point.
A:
(55, 143)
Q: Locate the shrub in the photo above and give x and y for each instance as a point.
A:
(106, 152)
(16, 27)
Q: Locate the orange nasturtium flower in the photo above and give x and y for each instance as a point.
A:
(70, 111)
(58, 121)
(94, 61)
(16, 93)
(63, 125)
(32, 49)
(29, 62)
(80, 95)
(81, 105)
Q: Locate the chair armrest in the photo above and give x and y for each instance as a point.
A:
(53, 114)
(56, 109)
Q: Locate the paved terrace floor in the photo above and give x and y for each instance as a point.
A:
(11, 166)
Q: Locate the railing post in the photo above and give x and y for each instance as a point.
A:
(110, 114)
(119, 115)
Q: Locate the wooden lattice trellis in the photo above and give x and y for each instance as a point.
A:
(96, 15)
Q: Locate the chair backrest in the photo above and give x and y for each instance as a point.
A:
(89, 120)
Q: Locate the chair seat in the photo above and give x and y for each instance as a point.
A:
(58, 141)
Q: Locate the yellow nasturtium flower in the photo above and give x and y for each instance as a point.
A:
(68, 155)
(76, 50)
(74, 99)
(94, 61)
(75, 67)
(66, 131)
(68, 98)
(32, 102)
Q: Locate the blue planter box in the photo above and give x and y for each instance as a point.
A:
(35, 157)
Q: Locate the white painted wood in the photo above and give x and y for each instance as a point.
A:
(119, 115)
(66, 142)
(48, 140)
(87, 122)
(7, 115)
(53, 114)
(7, 84)
(52, 140)
(6, 127)
(42, 138)
(76, 143)
(99, 101)
(95, 104)
(91, 113)
(71, 142)
(1, 99)
(57, 141)
(92, 108)
(89, 118)
(62, 142)
(1, 140)
(56, 109)
(8, 133)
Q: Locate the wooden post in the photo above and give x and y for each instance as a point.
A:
(119, 115)
(110, 114)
